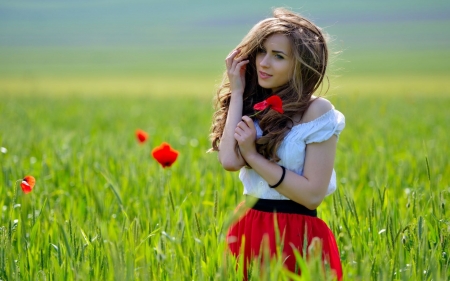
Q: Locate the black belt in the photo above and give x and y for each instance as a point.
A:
(281, 206)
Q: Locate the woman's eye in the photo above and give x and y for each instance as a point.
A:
(261, 51)
(279, 57)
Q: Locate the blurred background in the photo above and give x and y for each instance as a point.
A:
(140, 47)
(77, 78)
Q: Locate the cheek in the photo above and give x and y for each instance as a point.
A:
(287, 70)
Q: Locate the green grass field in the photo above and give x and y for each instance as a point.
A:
(104, 209)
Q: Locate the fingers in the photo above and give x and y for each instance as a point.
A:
(241, 65)
(244, 129)
(248, 121)
(233, 62)
(238, 63)
(239, 133)
(240, 130)
(230, 58)
(242, 125)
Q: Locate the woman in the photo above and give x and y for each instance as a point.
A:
(285, 157)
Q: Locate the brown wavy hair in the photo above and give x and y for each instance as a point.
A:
(310, 52)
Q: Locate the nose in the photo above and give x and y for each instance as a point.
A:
(264, 62)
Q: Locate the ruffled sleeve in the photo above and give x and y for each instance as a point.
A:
(322, 128)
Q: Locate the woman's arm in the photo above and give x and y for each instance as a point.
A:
(229, 156)
(310, 188)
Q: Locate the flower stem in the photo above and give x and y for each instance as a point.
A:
(253, 115)
(14, 198)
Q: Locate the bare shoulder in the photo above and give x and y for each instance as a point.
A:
(317, 108)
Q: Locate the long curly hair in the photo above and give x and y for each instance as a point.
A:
(310, 52)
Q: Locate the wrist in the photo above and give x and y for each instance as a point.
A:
(251, 157)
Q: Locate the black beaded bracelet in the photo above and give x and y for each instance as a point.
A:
(281, 179)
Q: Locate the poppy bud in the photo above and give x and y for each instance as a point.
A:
(165, 155)
(141, 135)
(27, 184)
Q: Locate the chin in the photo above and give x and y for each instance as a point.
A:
(264, 85)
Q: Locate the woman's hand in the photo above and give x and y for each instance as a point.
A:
(245, 135)
(236, 71)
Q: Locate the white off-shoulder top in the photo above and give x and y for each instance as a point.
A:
(292, 153)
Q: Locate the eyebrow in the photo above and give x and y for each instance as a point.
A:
(280, 52)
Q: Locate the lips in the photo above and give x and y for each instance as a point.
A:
(264, 75)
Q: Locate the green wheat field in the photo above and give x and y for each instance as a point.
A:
(104, 209)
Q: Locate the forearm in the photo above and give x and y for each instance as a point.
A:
(229, 157)
(295, 187)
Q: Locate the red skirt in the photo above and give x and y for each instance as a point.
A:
(296, 224)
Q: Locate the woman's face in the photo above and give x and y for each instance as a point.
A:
(274, 62)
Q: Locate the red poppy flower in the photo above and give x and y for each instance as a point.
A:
(141, 135)
(165, 154)
(274, 102)
(27, 184)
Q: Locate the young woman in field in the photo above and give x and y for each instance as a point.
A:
(285, 159)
